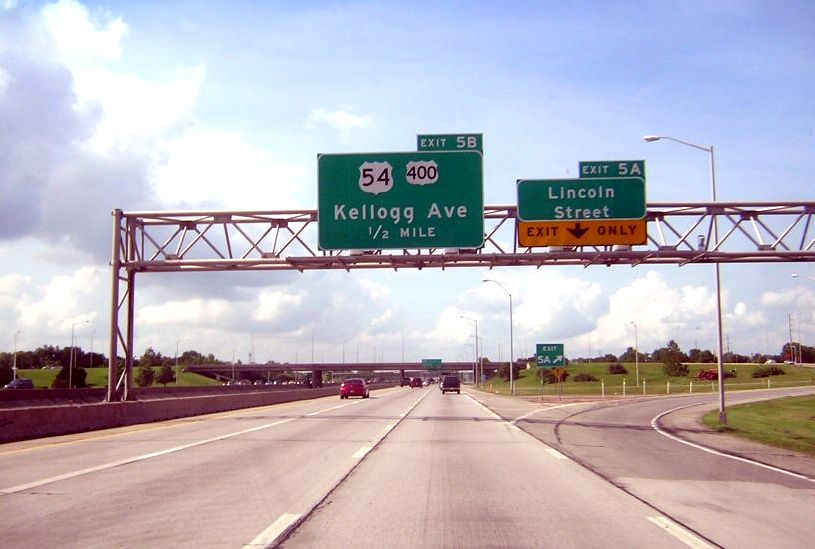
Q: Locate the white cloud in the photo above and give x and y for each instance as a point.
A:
(208, 166)
(659, 311)
(450, 328)
(200, 311)
(273, 305)
(790, 298)
(340, 121)
(743, 317)
(63, 301)
(82, 37)
(5, 80)
(136, 112)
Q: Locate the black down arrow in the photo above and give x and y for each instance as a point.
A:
(578, 231)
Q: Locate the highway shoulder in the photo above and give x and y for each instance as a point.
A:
(685, 423)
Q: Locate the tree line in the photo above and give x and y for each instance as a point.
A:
(53, 357)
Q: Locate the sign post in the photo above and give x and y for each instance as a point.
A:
(378, 201)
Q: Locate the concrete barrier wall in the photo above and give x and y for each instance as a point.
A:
(41, 421)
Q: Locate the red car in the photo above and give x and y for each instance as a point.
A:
(354, 387)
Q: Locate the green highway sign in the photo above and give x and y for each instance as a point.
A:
(549, 355)
(374, 201)
(450, 142)
(581, 199)
(612, 168)
(431, 363)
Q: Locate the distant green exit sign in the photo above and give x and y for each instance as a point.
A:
(431, 363)
(549, 355)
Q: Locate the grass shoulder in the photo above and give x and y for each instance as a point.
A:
(98, 377)
(785, 422)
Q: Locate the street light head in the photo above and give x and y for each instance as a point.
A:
(651, 138)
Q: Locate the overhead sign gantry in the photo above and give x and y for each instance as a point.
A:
(363, 197)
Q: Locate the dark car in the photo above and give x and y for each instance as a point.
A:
(354, 387)
(416, 382)
(404, 381)
(19, 383)
(450, 384)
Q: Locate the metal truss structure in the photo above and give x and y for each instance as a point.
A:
(678, 233)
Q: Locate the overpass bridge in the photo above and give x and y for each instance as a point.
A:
(316, 369)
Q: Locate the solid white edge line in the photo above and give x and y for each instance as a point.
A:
(551, 451)
(533, 412)
(362, 452)
(555, 453)
(680, 533)
(655, 426)
(274, 530)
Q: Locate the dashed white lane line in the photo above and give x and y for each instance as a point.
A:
(274, 531)
(680, 533)
(134, 459)
(287, 522)
(337, 407)
(656, 427)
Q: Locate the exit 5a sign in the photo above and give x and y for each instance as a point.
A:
(612, 168)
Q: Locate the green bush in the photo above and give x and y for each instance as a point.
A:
(616, 368)
(145, 376)
(584, 377)
(767, 371)
(674, 368)
(78, 377)
(548, 375)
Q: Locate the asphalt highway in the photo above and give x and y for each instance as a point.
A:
(405, 468)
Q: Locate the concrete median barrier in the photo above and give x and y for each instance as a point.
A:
(27, 422)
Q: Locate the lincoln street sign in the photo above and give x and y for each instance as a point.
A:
(612, 198)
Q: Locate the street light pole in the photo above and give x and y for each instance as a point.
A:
(176, 362)
(636, 352)
(475, 362)
(71, 356)
(511, 349)
(719, 346)
(14, 366)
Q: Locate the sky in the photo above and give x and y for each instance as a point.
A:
(215, 105)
